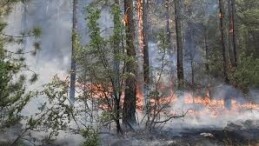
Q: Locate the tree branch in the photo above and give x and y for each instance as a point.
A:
(172, 117)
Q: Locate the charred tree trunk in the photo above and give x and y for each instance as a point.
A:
(117, 115)
(129, 105)
(221, 19)
(179, 43)
(73, 60)
(116, 64)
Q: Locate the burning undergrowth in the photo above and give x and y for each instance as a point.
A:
(206, 121)
(214, 117)
(212, 106)
(206, 117)
(219, 115)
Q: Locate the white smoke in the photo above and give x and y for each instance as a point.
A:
(54, 18)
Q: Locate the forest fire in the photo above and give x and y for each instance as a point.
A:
(195, 105)
(173, 72)
(227, 104)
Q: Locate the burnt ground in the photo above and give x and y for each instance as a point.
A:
(220, 137)
(238, 133)
(244, 133)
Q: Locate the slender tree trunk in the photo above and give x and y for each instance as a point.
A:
(230, 30)
(179, 43)
(116, 64)
(73, 60)
(170, 48)
(233, 2)
(129, 106)
(143, 42)
(192, 55)
(168, 30)
(206, 49)
(221, 17)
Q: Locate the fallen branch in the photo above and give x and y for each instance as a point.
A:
(171, 117)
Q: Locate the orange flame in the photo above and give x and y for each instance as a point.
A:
(209, 106)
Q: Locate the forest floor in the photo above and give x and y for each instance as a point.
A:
(238, 133)
(241, 133)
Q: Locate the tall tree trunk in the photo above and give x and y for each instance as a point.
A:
(170, 48)
(206, 49)
(230, 30)
(192, 51)
(221, 18)
(73, 60)
(233, 11)
(168, 30)
(143, 42)
(129, 105)
(116, 64)
(179, 43)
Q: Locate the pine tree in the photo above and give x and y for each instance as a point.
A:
(73, 59)
(129, 106)
(116, 63)
(13, 93)
(179, 43)
(222, 34)
(143, 37)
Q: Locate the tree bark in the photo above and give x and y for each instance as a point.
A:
(230, 30)
(168, 30)
(233, 11)
(129, 105)
(73, 60)
(145, 44)
(206, 50)
(221, 19)
(192, 50)
(116, 64)
(179, 44)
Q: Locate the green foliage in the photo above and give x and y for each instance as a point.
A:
(14, 95)
(248, 21)
(247, 73)
(163, 43)
(215, 63)
(91, 135)
(56, 114)
(100, 65)
(36, 32)
(106, 117)
(12, 88)
(118, 28)
(2, 26)
(93, 56)
(34, 78)
(93, 17)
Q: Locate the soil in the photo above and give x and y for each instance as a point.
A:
(240, 133)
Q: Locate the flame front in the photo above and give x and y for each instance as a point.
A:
(195, 105)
